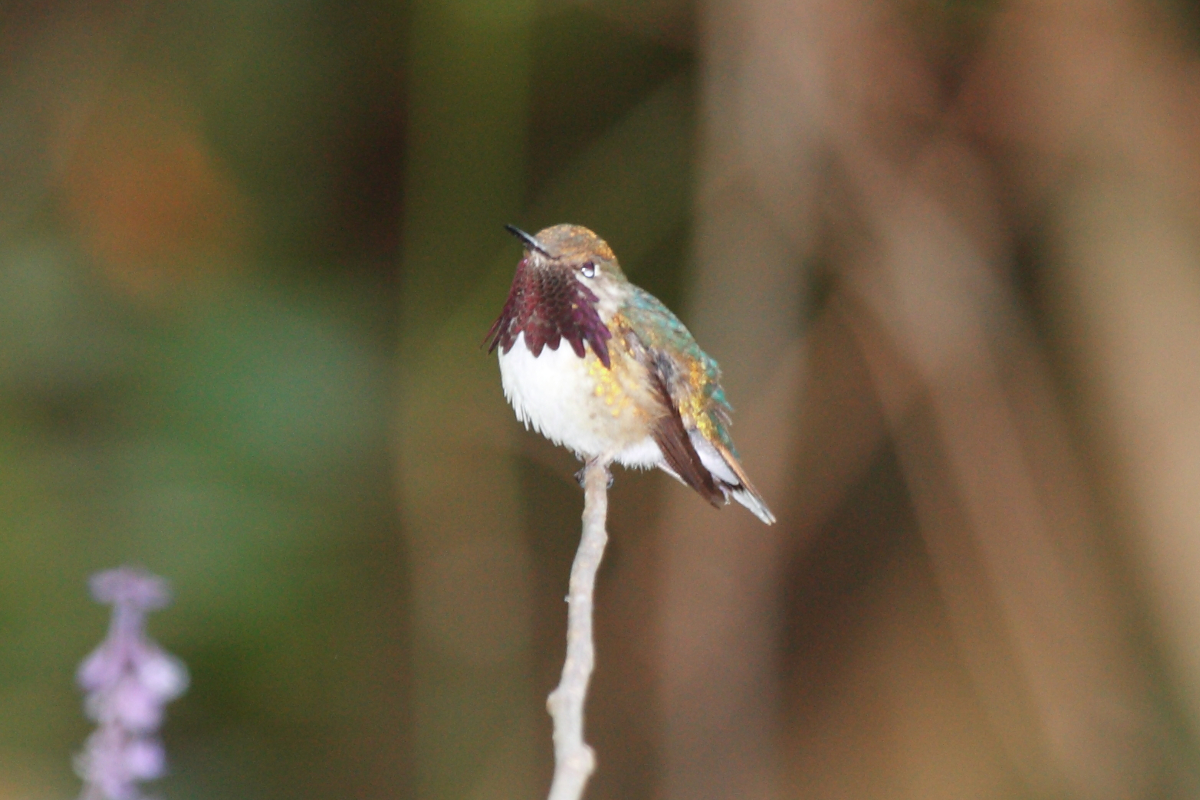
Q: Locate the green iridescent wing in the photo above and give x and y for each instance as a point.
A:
(689, 383)
(691, 376)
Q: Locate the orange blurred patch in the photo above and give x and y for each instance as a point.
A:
(147, 197)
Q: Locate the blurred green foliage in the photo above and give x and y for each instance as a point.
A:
(248, 251)
(202, 284)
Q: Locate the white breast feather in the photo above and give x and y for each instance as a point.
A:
(551, 393)
(554, 394)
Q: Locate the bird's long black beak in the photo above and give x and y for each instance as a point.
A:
(530, 242)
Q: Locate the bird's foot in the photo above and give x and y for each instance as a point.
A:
(582, 473)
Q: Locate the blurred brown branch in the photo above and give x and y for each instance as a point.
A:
(846, 133)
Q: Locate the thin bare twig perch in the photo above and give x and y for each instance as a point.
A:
(573, 759)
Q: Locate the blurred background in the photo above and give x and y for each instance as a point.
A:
(946, 251)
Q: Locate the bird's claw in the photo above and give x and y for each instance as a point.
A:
(582, 474)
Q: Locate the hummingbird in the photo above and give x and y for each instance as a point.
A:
(631, 386)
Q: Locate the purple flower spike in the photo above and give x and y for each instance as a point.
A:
(128, 680)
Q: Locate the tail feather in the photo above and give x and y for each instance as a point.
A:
(747, 496)
(731, 478)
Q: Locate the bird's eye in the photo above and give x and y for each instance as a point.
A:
(588, 269)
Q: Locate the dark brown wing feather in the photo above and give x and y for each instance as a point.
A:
(676, 446)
